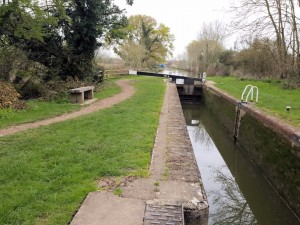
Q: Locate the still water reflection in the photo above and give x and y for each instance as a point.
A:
(237, 192)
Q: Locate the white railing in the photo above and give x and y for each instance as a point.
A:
(250, 88)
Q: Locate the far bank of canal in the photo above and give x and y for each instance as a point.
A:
(237, 191)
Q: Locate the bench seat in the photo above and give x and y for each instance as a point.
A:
(78, 95)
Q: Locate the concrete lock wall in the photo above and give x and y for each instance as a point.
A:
(274, 149)
(225, 111)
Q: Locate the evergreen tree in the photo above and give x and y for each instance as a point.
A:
(91, 21)
(63, 35)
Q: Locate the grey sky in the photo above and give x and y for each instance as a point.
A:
(183, 17)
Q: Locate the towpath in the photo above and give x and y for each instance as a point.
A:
(127, 91)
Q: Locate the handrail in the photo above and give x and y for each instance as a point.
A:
(250, 92)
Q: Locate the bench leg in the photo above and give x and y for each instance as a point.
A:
(77, 98)
(89, 94)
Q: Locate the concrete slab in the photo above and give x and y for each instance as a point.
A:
(180, 191)
(106, 208)
(89, 101)
(143, 189)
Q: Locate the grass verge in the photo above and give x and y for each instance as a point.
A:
(273, 98)
(46, 173)
(107, 88)
(39, 110)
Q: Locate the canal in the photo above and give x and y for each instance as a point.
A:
(171, 71)
(237, 192)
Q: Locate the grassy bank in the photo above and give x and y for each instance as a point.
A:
(107, 88)
(273, 98)
(46, 173)
(38, 110)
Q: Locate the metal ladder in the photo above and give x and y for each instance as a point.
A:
(250, 88)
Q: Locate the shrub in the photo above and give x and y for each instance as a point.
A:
(57, 90)
(292, 83)
(19, 105)
(218, 69)
(32, 89)
(53, 90)
(8, 95)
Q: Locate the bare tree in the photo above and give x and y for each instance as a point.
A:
(295, 36)
(205, 51)
(276, 20)
(214, 31)
(233, 208)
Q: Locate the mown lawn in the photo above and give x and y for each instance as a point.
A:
(38, 110)
(272, 97)
(107, 88)
(46, 173)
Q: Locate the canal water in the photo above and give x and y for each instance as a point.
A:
(171, 71)
(238, 194)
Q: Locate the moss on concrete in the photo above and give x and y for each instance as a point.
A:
(272, 152)
(224, 111)
(274, 155)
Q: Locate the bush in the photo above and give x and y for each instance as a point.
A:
(32, 89)
(290, 85)
(218, 69)
(8, 95)
(54, 90)
(57, 90)
(293, 82)
(19, 105)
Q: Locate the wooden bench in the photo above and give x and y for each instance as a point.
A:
(78, 95)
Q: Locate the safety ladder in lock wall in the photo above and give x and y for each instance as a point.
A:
(251, 89)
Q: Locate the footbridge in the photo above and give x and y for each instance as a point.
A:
(189, 88)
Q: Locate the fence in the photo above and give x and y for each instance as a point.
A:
(109, 73)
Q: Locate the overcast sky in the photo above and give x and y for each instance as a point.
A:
(183, 17)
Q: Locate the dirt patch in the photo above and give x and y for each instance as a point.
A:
(111, 183)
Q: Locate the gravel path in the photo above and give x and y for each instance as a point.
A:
(127, 91)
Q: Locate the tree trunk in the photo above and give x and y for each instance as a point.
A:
(296, 47)
(280, 37)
